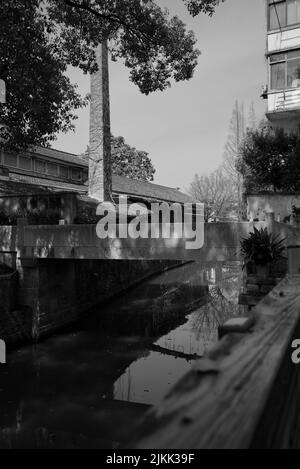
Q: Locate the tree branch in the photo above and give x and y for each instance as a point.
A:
(107, 17)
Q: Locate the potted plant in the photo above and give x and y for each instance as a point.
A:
(261, 250)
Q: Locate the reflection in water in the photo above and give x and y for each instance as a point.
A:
(90, 387)
(147, 380)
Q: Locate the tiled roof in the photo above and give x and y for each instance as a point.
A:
(25, 185)
(11, 188)
(60, 156)
(121, 184)
(49, 183)
(147, 190)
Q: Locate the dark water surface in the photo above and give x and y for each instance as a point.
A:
(89, 387)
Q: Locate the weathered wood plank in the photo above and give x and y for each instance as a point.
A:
(223, 409)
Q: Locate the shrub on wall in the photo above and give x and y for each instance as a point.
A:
(270, 161)
(86, 215)
(33, 217)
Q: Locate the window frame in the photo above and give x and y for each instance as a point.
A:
(48, 172)
(79, 170)
(284, 60)
(24, 158)
(16, 166)
(37, 170)
(64, 167)
(271, 3)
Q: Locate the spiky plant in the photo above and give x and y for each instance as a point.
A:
(262, 248)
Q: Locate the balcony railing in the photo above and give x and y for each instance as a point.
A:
(285, 100)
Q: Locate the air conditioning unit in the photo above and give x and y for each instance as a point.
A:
(264, 92)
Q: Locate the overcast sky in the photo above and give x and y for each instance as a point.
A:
(184, 129)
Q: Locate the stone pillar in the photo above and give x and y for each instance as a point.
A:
(100, 177)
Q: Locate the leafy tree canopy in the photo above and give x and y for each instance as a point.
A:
(40, 98)
(39, 39)
(128, 161)
(270, 160)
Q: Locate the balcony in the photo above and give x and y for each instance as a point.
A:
(284, 104)
(284, 40)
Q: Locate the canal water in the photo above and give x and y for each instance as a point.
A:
(89, 387)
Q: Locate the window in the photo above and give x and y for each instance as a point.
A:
(293, 12)
(285, 70)
(40, 167)
(283, 13)
(11, 160)
(52, 169)
(64, 172)
(25, 163)
(76, 174)
(277, 14)
(85, 176)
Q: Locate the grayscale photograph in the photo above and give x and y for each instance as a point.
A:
(149, 227)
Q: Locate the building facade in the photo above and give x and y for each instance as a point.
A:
(283, 55)
(53, 185)
(45, 167)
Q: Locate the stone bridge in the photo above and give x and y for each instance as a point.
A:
(221, 243)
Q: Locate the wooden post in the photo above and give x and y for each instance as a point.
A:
(100, 177)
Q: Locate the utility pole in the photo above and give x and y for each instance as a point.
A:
(100, 174)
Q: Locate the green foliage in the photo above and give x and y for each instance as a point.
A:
(40, 98)
(198, 6)
(128, 161)
(42, 217)
(262, 248)
(155, 47)
(270, 161)
(39, 40)
(33, 216)
(87, 215)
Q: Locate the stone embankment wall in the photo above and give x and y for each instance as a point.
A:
(52, 294)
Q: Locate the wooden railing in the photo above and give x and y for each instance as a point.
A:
(244, 393)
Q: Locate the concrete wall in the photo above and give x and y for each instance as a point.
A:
(221, 243)
(281, 204)
(53, 294)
